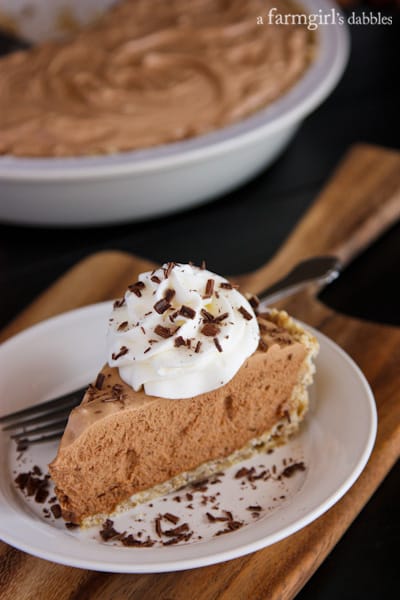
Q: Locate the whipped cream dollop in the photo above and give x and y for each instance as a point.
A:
(181, 331)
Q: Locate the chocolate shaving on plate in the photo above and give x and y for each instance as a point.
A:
(292, 469)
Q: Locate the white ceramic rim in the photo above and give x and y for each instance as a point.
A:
(219, 554)
(292, 107)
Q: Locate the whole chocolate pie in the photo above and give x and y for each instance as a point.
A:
(150, 72)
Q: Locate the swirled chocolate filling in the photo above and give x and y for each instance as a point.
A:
(147, 73)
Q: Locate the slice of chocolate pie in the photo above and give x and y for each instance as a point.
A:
(195, 382)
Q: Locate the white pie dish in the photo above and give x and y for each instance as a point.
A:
(141, 184)
(334, 442)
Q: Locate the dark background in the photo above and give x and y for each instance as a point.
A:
(241, 231)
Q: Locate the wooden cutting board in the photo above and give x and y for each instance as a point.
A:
(360, 202)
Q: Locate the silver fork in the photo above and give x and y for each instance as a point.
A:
(50, 417)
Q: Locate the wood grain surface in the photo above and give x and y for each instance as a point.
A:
(359, 203)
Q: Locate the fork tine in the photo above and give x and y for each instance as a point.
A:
(43, 406)
(43, 418)
(56, 426)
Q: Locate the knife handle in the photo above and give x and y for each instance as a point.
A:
(361, 201)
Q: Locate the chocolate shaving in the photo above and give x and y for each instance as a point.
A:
(211, 517)
(33, 485)
(168, 269)
(244, 472)
(161, 306)
(157, 524)
(171, 518)
(179, 341)
(217, 344)
(255, 508)
(226, 285)
(56, 510)
(245, 313)
(214, 519)
(180, 538)
(254, 301)
(118, 303)
(232, 525)
(262, 345)
(203, 265)
(41, 495)
(129, 540)
(155, 279)
(70, 525)
(122, 326)
(198, 346)
(99, 381)
(108, 532)
(221, 317)
(259, 476)
(207, 316)
(209, 288)
(292, 469)
(169, 294)
(123, 350)
(200, 486)
(210, 329)
(136, 288)
(164, 332)
(229, 514)
(176, 531)
(187, 312)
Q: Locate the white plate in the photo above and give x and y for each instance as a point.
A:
(335, 442)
